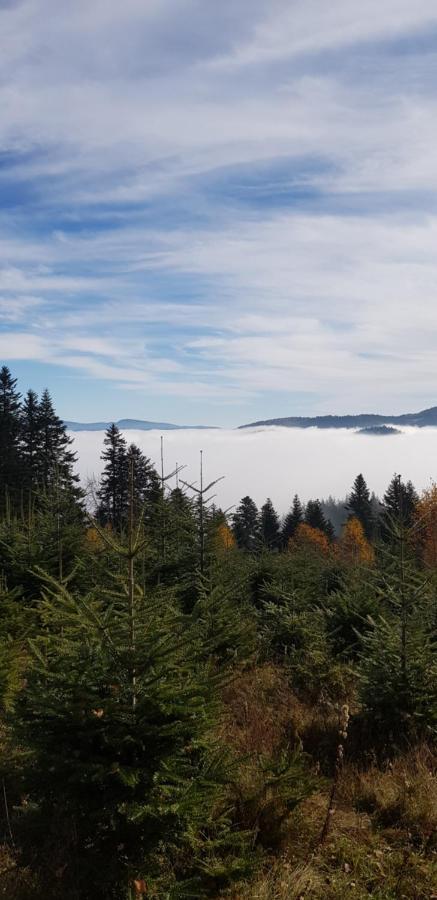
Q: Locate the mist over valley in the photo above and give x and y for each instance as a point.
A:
(278, 462)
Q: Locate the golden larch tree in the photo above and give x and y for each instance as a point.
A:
(308, 538)
(424, 530)
(353, 546)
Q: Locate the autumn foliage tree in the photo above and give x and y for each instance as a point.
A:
(425, 527)
(308, 538)
(224, 538)
(353, 546)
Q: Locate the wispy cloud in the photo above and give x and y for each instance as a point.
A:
(233, 203)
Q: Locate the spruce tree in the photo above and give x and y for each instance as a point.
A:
(126, 778)
(55, 459)
(245, 525)
(269, 526)
(9, 436)
(315, 518)
(399, 653)
(359, 505)
(112, 494)
(292, 520)
(399, 504)
(31, 440)
(147, 488)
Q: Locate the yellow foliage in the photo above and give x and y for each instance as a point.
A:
(425, 531)
(308, 538)
(353, 546)
(94, 539)
(224, 539)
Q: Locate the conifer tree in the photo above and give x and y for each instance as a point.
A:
(147, 490)
(182, 538)
(292, 521)
(359, 505)
(113, 490)
(245, 525)
(269, 526)
(55, 457)
(118, 711)
(9, 435)
(399, 656)
(30, 440)
(399, 504)
(315, 518)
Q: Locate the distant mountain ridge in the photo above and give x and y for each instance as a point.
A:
(134, 424)
(427, 417)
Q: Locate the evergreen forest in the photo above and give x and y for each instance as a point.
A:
(201, 703)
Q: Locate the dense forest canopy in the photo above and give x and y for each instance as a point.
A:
(206, 703)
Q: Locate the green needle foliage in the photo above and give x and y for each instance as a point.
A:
(118, 714)
(171, 681)
(399, 652)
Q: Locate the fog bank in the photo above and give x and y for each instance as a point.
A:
(279, 462)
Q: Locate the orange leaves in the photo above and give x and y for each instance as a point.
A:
(308, 538)
(353, 546)
(224, 539)
(425, 527)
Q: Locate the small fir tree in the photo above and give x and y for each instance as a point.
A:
(399, 656)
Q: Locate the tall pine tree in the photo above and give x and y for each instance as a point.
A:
(9, 435)
(55, 459)
(269, 526)
(292, 520)
(399, 504)
(112, 494)
(359, 505)
(31, 440)
(146, 484)
(245, 524)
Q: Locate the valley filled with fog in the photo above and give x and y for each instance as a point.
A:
(279, 462)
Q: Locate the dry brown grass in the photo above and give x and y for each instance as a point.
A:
(283, 881)
(383, 833)
(402, 796)
(262, 713)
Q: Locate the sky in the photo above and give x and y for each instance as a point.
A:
(278, 462)
(215, 213)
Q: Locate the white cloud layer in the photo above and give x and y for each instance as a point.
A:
(279, 462)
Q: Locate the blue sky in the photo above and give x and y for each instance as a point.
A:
(218, 212)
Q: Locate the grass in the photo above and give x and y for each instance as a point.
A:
(382, 841)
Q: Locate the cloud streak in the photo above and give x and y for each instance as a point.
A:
(234, 203)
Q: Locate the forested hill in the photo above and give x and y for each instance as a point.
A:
(421, 419)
